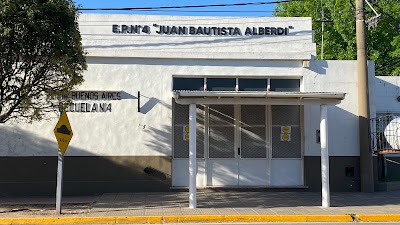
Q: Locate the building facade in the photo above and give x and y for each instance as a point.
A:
(258, 90)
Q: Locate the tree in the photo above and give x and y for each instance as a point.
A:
(41, 57)
(396, 53)
(340, 34)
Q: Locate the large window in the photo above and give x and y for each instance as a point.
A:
(253, 84)
(229, 84)
(189, 84)
(285, 85)
(221, 84)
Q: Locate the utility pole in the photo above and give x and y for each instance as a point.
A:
(322, 41)
(366, 163)
(323, 20)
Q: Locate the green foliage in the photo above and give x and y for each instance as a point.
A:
(396, 53)
(383, 42)
(41, 56)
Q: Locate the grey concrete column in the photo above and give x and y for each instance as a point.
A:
(324, 156)
(366, 160)
(192, 156)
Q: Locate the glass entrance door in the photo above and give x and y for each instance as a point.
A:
(237, 146)
(253, 156)
(222, 162)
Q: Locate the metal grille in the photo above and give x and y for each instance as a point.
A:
(221, 142)
(253, 133)
(385, 133)
(181, 147)
(222, 132)
(221, 115)
(253, 142)
(253, 114)
(286, 116)
(181, 119)
(199, 131)
(181, 114)
(286, 149)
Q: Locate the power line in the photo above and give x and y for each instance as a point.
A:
(387, 14)
(204, 11)
(390, 67)
(189, 6)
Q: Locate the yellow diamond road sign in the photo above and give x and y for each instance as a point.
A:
(63, 132)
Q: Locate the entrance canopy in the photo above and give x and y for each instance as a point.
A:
(257, 97)
(323, 99)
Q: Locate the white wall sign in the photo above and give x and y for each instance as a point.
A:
(91, 99)
(286, 133)
(186, 132)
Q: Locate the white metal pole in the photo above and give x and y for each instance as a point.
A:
(207, 177)
(322, 41)
(324, 157)
(60, 166)
(192, 156)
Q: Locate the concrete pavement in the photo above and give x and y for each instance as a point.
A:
(213, 205)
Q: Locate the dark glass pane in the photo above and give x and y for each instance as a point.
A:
(285, 115)
(285, 85)
(221, 84)
(253, 84)
(191, 84)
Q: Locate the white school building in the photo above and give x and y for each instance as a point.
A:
(260, 102)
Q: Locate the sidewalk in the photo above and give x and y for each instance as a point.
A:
(213, 205)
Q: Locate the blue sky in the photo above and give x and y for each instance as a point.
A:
(252, 10)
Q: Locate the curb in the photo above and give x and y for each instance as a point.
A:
(378, 217)
(180, 219)
(203, 218)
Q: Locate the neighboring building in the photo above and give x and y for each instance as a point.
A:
(387, 104)
(258, 90)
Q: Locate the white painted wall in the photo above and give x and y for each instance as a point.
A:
(387, 90)
(120, 132)
(99, 40)
(147, 64)
(335, 76)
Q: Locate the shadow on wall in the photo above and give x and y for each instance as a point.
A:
(150, 102)
(320, 67)
(36, 175)
(343, 137)
(161, 140)
(345, 170)
(238, 40)
(126, 95)
(197, 62)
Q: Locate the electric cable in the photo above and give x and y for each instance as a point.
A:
(389, 67)
(385, 13)
(189, 6)
(204, 11)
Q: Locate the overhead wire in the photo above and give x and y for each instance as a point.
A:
(204, 11)
(394, 19)
(389, 67)
(189, 6)
(385, 13)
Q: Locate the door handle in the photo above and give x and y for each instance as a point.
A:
(238, 151)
